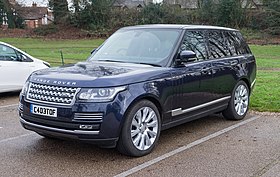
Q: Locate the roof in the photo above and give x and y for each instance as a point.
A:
(32, 13)
(180, 26)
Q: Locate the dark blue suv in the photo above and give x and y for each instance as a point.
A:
(141, 80)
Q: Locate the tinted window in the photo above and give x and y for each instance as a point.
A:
(236, 43)
(244, 49)
(217, 45)
(194, 41)
(230, 41)
(7, 53)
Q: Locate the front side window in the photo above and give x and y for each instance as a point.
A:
(217, 45)
(7, 53)
(150, 46)
(194, 41)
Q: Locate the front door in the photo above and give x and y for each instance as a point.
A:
(188, 78)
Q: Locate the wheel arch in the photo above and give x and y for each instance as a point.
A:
(149, 97)
(246, 80)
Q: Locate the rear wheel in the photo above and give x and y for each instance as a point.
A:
(239, 103)
(141, 129)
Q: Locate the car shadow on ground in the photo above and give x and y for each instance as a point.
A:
(54, 154)
(170, 139)
(9, 94)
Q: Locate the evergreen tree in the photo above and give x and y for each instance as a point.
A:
(272, 9)
(3, 10)
(60, 11)
(95, 14)
(7, 12)
(230, 13)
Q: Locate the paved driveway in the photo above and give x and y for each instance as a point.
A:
(210, 146)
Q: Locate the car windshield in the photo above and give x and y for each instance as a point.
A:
(145, 46)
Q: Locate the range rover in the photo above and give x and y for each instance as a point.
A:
(140, 81)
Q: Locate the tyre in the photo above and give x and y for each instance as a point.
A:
(141, 129)
(239, 102)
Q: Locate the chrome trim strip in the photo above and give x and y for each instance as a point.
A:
(88, 119)
(179, 111)
(76, 132)
(253, 83)
(88, 116)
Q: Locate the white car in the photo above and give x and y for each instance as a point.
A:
(15, 67)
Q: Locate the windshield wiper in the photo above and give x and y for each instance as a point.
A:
(152, 64)
(117, 61)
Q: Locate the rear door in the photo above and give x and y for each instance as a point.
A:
(228, 61)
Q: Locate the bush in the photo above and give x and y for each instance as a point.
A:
(124, 17)
(45, 30)
(230, 13)
(152, 13)
(206, 12)
(94, 15)
(223, 13)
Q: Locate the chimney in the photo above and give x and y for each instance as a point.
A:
(34, 4)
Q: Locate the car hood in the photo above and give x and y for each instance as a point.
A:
(98, 74)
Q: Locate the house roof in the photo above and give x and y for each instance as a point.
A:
(32, 13)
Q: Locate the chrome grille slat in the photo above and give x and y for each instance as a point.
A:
(60, 95)
(88, 116)
(20, 107)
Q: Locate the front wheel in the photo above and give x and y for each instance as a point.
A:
(141, 129)
(239, 103)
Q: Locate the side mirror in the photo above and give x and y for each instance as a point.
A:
(187, 56)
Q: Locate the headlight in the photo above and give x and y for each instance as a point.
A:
(100, 94)
(24, 88)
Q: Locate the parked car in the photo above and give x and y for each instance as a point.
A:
(142, 80)
(15, 67)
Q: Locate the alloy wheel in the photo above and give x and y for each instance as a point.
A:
(144, 128)
(241, 100)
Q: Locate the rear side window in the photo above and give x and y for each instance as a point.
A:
(236, 43)
(194, 41)
(217, 45)
(244, 49)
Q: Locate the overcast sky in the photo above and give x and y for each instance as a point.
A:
(45, 2)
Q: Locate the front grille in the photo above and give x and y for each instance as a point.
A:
(88, 116)
(51, 94)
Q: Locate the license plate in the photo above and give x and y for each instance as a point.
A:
(43, 110)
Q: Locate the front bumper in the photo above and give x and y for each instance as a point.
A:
(103, 131)
(85, 136)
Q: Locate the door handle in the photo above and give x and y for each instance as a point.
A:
(205, 69)
(234, 62)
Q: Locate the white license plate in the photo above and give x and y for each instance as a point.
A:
(43, 110)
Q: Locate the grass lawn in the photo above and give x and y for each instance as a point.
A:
(50, 50)
(266, 96)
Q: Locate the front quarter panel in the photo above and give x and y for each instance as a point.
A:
(158, 91)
